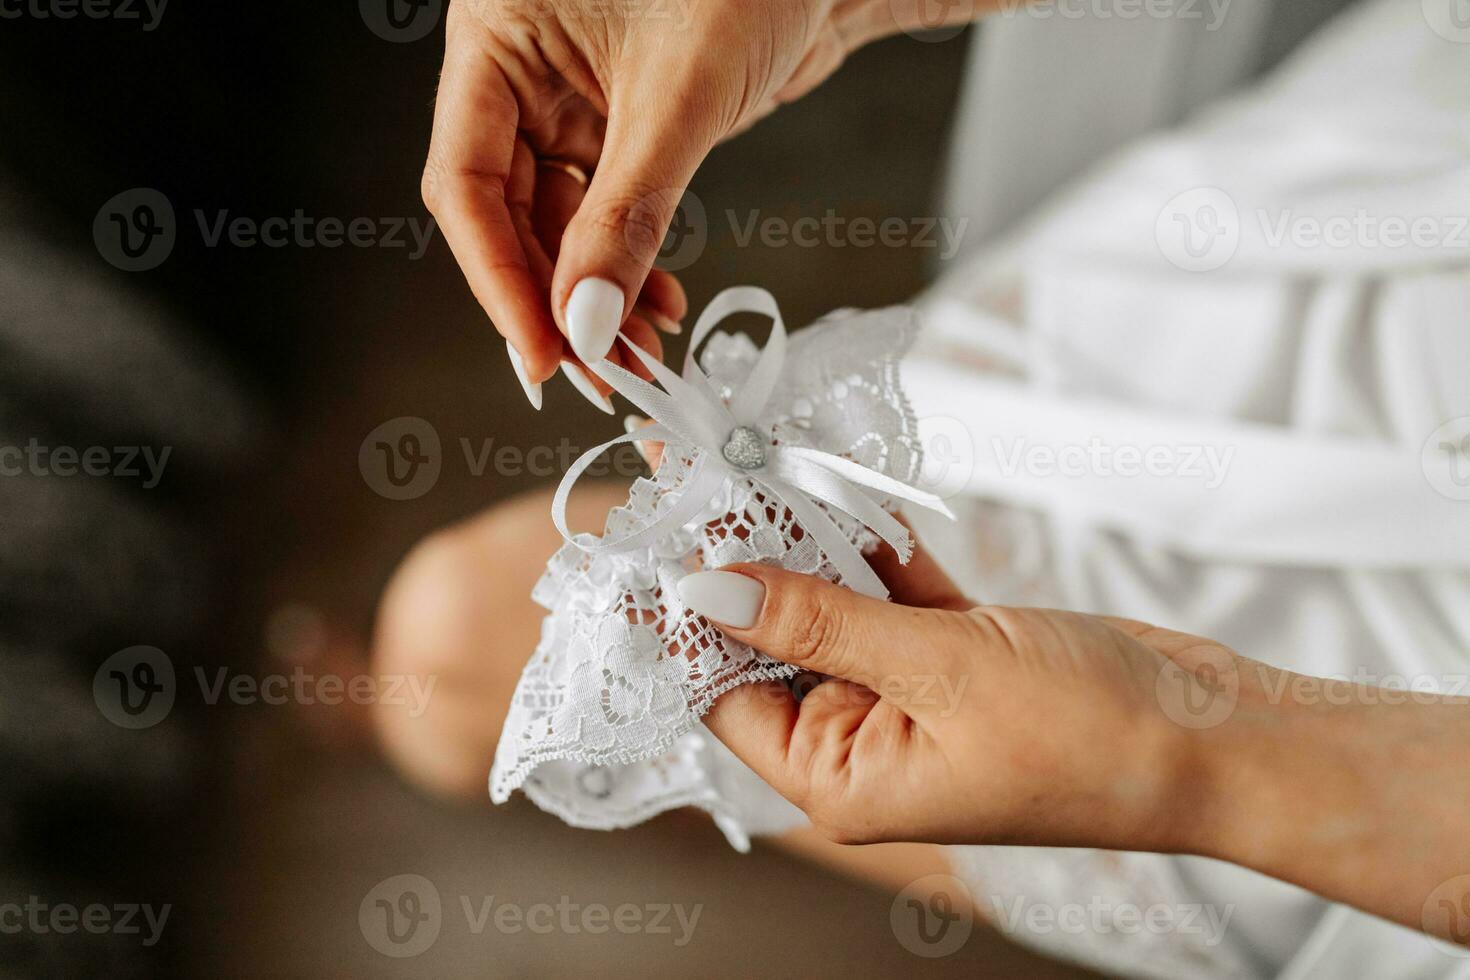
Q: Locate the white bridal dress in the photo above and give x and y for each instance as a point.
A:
(1240, 296)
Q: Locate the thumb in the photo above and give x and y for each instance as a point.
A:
(825, 628)
(649, 154)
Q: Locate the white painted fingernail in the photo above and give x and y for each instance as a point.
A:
(532, 388)
(632, 423)
(668, 325)
(725, 597)
(586, 387)
(594, 314)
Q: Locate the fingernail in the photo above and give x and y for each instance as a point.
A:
(725, 597)
(532, 388)
(586, 387)
(632, 423)
(664, 323)
(594, 314)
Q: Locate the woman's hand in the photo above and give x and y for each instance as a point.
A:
(944, 721)
(535, 93)
(1030, 726)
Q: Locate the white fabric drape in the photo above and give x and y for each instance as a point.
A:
(1318, 371)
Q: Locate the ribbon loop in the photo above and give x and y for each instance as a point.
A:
(690, 413)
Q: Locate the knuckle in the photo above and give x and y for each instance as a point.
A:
(817, 629)
(635, 222)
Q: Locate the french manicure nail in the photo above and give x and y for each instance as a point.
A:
(725, 597)
(594, 314)
(532, 388)
(588, 390)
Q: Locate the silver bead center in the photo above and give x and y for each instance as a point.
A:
(745, 448)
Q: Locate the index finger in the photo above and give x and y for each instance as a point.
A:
(464, 186)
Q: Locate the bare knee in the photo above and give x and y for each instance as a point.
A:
(457, 617)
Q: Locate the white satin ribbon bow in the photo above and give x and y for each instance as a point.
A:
(689, 411)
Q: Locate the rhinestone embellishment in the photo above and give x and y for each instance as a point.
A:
(745, 448)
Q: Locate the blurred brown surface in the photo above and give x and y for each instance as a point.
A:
(313, 819)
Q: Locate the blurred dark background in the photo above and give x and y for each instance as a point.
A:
(264, 546)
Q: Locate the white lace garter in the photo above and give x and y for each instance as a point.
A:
(794, 455)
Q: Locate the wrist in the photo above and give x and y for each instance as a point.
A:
(1272, 783)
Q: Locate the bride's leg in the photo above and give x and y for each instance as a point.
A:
(459, 610)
